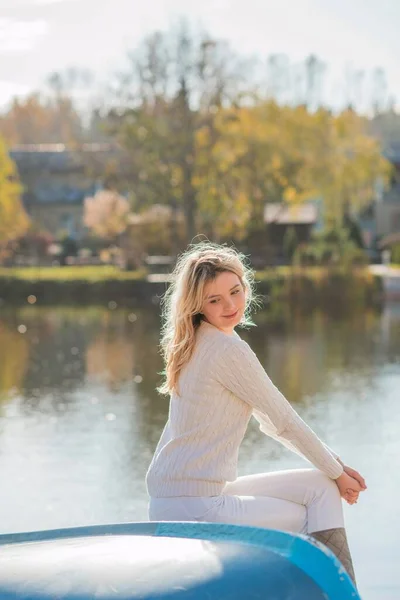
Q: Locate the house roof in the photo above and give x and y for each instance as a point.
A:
(389, 240)
(392, 152)
(295, 214)
(55, 158)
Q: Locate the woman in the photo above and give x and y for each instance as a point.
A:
(216, 384)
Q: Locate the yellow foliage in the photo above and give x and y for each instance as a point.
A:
(271, 153)
(14, 221)
(290, 195)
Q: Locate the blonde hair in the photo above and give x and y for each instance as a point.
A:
(183, 301)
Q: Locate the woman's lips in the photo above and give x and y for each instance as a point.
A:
(231, 316)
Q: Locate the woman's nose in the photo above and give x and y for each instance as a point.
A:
(229, 303)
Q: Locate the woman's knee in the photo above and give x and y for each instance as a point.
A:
(323, 485)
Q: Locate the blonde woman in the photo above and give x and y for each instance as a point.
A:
(216, 384)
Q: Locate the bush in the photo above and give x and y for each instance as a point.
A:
(395, 259)
(332, 247)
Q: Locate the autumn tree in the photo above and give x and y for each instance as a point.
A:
(193, 144)
(287, 155)
(348, 164)
(176, 84)
(14, 221)
(49, 116)
(259, 157)
(106, 214)
(386, 127)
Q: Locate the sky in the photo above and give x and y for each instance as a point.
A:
(38, 37)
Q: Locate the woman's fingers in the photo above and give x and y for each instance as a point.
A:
(351, 501)
(359, 478)
(349, 487)
(356, 475)
(351, 496)
(362, 481)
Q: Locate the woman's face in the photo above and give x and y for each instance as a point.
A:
(224, 301)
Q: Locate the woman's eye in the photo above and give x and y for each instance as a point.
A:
(236, 292)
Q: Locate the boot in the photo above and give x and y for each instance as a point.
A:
(336, 541)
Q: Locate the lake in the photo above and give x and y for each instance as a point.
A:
(80, 418)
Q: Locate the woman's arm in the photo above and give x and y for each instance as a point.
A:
(286, 442)
(239, 370)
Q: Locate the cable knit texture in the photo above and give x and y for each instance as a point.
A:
(220, 388)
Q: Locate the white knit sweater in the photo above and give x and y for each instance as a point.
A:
(221, 386)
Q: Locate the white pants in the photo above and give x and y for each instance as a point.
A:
(299, 501)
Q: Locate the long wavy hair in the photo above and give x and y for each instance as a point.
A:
(183, 301)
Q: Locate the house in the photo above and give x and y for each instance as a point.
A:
(387, 207)
(380, 221)
(290, 224)
(55, 184)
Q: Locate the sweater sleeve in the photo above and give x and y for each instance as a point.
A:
(285, 439)
(238, 369)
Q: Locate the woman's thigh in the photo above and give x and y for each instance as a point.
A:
(300, 486)
(270, 513)
(260, 511)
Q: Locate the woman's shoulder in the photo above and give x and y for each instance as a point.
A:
(217, 341)
(227, 356)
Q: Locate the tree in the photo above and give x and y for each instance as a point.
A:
(40, 119)
(386, 127)
(263, 154)
(106, 213)
(176, 84)
(350, 162)
(14, 221)
(314, 72)
(271, 153)
(150, 233)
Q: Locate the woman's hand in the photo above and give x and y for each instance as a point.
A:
(352, 498)
(356, 475)
(349, 487)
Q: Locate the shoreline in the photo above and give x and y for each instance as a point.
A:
(312, 286)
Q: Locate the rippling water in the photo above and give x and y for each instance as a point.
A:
(79, 417)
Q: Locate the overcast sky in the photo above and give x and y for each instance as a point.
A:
(41, 36)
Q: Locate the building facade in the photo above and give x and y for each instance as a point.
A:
(387, 208)
(55, 183)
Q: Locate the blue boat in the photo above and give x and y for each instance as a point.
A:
(169, 561)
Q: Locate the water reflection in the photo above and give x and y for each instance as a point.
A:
(80, 417)
(60, 352)
(14, 354)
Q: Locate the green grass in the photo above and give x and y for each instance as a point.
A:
(107, 273)
(89, 273)
(313, 273)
